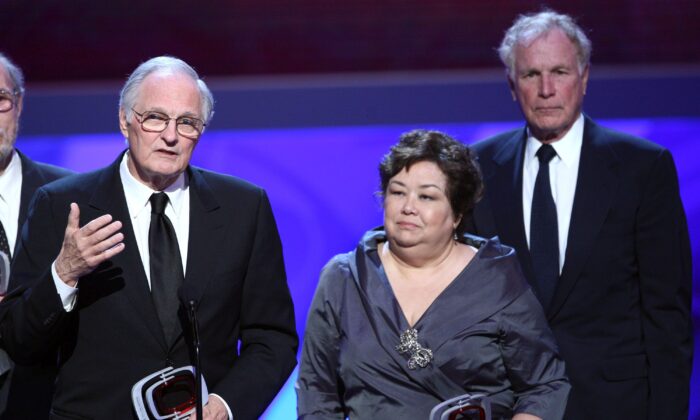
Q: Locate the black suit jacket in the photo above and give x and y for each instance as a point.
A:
(621, 309)
(27, 391)
(34, 175)
(113, 337)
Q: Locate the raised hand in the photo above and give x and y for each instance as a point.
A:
(85, 248)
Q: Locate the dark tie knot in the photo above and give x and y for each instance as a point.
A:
(545, 153)
(158, 202)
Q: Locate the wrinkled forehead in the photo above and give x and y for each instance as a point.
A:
(171, 92)
(553, 45)
(529, 35)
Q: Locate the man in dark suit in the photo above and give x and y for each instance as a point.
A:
(104, 254)
(599, 227)
(20, 177)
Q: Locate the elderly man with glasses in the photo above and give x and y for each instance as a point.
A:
(20, 177)
(114, 260)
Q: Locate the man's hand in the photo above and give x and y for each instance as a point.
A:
(214, 410)
(87, 247)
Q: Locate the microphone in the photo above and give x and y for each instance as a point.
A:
(187, 297)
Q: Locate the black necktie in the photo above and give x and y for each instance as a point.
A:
(4, 245)
(544, 235)
(166, 265)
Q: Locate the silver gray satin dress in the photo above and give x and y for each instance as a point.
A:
(486, 330)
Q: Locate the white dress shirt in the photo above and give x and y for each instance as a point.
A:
(10, 197)
(138, 203)
(563, 174)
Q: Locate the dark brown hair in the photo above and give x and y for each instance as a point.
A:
(455, 160)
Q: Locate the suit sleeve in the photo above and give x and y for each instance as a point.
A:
(531, 358)
(35, 319)
(664, 258)
(268, 335)
(318, 386)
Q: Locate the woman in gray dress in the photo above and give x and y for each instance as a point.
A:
(420, 312)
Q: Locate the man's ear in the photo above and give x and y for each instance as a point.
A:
(584, 78)
(123, 124)
(19, 105)
(511, 85)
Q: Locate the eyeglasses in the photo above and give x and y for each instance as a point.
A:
(156, 122)
(7, 100)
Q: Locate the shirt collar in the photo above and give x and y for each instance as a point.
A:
(8, 179)
(138, 195)
(568, 148)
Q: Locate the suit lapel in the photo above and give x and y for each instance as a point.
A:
(596, 184)
(109, 198)
(206, 231)
(32, 179)
(507, 200)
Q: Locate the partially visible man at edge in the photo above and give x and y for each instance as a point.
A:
(599, 229)
(105, 254)
(29, 395)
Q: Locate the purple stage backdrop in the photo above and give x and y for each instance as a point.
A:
(321, 182)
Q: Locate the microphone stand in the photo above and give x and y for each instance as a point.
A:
(191, 310)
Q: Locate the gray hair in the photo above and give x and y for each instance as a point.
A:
(127, 97)
(15, 73)
(527, 28)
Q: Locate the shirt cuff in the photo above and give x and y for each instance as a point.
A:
(67, 293)
(228, 410)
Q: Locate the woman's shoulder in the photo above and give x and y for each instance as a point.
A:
(338, 265)
(498, 264)
(335, 282)
(489, 247)
(337, 272)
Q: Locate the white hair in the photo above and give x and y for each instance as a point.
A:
(15, 73)
(127, 97)
(527, 28)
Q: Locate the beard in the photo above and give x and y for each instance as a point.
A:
(7, 143)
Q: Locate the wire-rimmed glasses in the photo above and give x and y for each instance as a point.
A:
(8, 99)
(156, 122)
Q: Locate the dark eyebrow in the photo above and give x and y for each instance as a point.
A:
(421, 186)
(431, 186)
